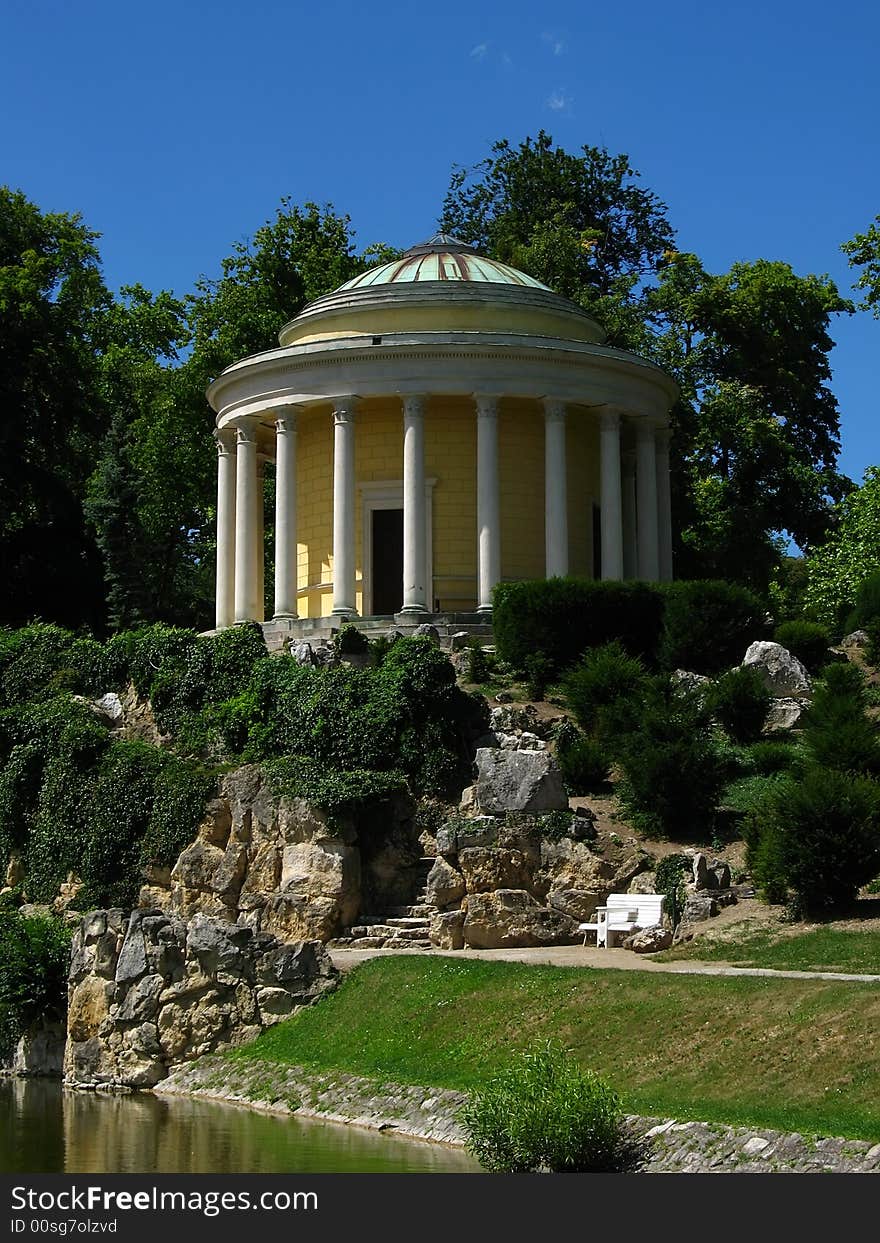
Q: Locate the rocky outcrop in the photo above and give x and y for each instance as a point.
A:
(783, 674)
(39, 1051)
(284, 866)
(512, 918)
(148, 991)
(649, 940)
(784, 714)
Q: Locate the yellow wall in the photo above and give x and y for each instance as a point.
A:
(450, 458)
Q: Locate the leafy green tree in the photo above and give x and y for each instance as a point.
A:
(579, 223)
(53, 305)
(864, 252)
(849, 556)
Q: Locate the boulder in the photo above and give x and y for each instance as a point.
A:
(494, 868)
(629, 868)
(458, 834)
(700, 868)
(690, 683)
(643, 883)
(699, 907)
(444, 884)
(579, 904)
(719, 873)
(427, 631)
(570, 864)
(649, 940)
(511, 918)
(527, 781)
(785, 713)
(782, 673)
(302, 654)
(857, 639)
(446, 931)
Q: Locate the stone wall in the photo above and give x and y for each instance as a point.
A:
(148, 991)
(286, 867)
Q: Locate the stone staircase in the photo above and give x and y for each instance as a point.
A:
(402, 927)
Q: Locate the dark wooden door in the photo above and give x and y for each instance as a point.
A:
(387, 561)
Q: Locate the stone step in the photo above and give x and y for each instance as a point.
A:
(386, 943)
(405, 933)
(418, 909)
(408, 921)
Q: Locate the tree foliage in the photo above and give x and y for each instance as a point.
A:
(863, 252)
(849, 556)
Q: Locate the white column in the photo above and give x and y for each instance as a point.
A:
(555, 490)
(261, 538)
(630, 551)
(246, 529)
(646, 498)
(488, 508)
(285, 516)
(612, 502)
(225, 593)
(664, 505)
(415, 570)
(343, 508)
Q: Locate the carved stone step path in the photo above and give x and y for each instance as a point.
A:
(402, 925)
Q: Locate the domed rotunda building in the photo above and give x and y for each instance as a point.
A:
(438, 424)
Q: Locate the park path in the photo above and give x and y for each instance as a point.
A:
(585, 956)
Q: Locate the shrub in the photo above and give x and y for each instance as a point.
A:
(584, 762)
(539, 671)
(34, 958)
(546, 1113)
(770, 756)
(740, 701)
(673, 773)
(818, 838)
(604, 675)
(867, 605)
(836, 730)
(708, 625)
(669, 879)
(479, 663)
(351, 642)
(562, 617)
(806, 640)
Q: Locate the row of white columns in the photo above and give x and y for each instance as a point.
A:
(636, 524)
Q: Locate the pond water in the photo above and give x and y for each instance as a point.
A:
(45, 1128)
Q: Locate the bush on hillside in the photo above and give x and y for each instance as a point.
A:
(670, 877)
(603, 676)
(562, 617)
(546, 1113)
(806, 640)
(673, 772)
(351, 642)
(837, 732)
(708, 625)
(34, 960)
(817, 839)
(740, 701)
(772, 756)
(539, 672)
(867, 605)
(584, 762)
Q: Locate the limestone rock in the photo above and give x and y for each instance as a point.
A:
(579, 904)
(628, 869)
(493, 868)
(785, 713)
(468, 800)
(511, 918)
(644, 882)
(698, 908)
(457, 835)
(700, 870)
(857, 639)
(782, 673)
(570, 864)
(719, 874)
(648, 940)
(690, 683)
(446, 930)
(427, 631)
(14, 870)
(444, 884)
(459, 641)
(528, 781)
(302, 654)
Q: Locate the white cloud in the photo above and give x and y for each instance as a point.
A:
(556, 45)
(479, 52)
(559, 101)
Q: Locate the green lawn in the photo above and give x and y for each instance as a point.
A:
(819, 949)
(792, 1054)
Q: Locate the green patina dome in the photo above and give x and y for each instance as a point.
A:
(442, 258)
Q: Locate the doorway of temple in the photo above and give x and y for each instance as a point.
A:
(387, 567)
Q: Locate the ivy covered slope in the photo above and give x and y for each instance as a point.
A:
(78, 797)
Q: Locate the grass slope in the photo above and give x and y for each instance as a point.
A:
(789, 1054)
(819, 949)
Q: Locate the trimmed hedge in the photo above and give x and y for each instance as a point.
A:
(703, 626)
(562, 617)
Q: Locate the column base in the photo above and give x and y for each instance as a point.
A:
(485, 609)
(413, 610)
(343, 614)
(285, 617)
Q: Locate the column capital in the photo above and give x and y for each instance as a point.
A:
(414, 405)
(224, 439)
(246, 434)
(487, 405)
(554, 409)
(285, 423)
(344, 409)
(610, 416)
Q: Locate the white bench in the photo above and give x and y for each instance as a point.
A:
(623, 914)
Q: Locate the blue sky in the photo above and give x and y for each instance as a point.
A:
(175, 129)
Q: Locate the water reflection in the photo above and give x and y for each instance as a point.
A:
(45, 1128)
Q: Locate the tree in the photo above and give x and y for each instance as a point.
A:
(579, 223)
(756, 428)
(53, 304)
(863, 252)
(849, 556)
